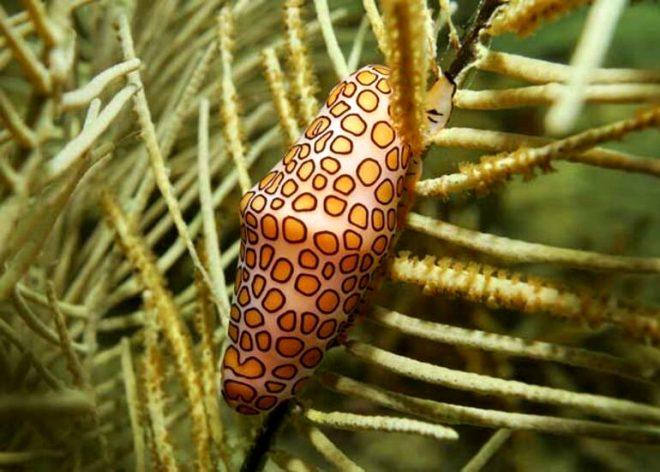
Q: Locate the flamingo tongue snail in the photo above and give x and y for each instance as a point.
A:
(313, 232)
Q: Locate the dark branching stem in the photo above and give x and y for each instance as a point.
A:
(256, 456)
(468, 50)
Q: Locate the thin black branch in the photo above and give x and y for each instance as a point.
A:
(468, 51)
(256, 456)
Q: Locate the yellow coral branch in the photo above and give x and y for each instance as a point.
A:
(303, 80)
(161, 443)
(408, 58)
(497, 141)
(229, 105)
(275, 79)
(42, 23)
(499, 168)
(153, 150)
(525, 16)
(169, 320)
(205, 327)
(377, 25)
(483, 284)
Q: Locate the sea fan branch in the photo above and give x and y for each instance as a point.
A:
(303, 80)
(517, 252)
(497, 141)
(229, 104)
(276, 82)
(457, 414)
(390, 424)
(483, 284)
(605, 407)
(407, 56)
(543, 72)
(330, 38)
(472, 338)
(498, 168)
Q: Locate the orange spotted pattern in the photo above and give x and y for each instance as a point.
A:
(314, 231)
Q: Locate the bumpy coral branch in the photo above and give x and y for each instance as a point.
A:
(377, 25)
(275, 79)
(303, 80)
(408, 58)
(525, 16)
(447, 9)
(389, 424)
(602, 406)
(483, 284)
(457, 414)
(205, 324)
(153, 150)
(161, 444)
(515, 251)
(169, 320)
(499, 168)
(497, 141)
(229, 103)
(542, 72)
(472, 338)
(174, 120)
